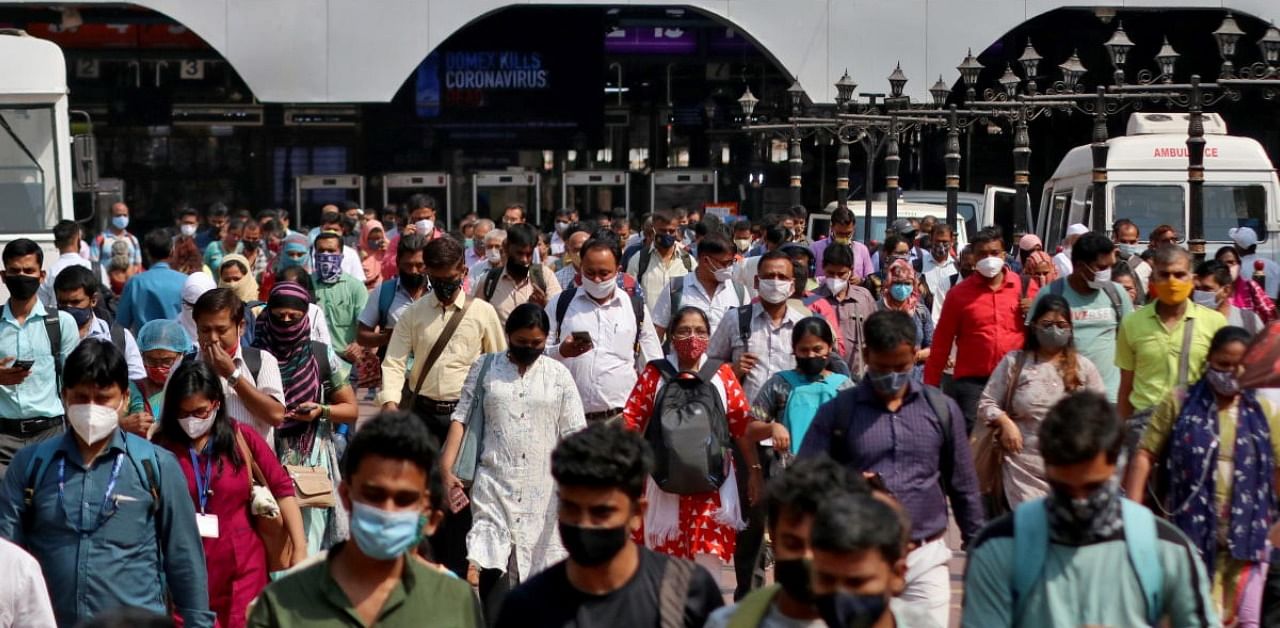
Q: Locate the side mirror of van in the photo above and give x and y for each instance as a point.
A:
(84, 159)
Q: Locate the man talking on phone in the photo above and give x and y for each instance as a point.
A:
(34, 343)
(601, 333)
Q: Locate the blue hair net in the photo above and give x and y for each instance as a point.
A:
(164, 334)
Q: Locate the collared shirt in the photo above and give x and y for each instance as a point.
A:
(509, 293)
(851, 311)
(342, 302)
(152, 294)
(938, 279)
(312, 598)
(24, 600)
(606, 374)
(982, 323)
(400, 301)
(770, 342)
(89, 567)
(907, 449)
(478, 332)
(107, 239)
(1152, 351)
(862, 265)
(101, 330)
(60, 264)
(659, 273)
(38, 394)
(694, 294)
(268, 382)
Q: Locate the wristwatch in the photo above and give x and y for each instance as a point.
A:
(234, 378)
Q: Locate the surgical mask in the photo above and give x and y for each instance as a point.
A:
(561, 226)
(599, 289)
(590, 547)
(1173, 291)
(1235, 272)
(328, 267)
(424, 227)
(446, 290)
(989, 267)
(195, 427)
(1222, 382)
(21, 287)
(724, 274)
(523, 356)
(1207, 298)
(187, 229)
(493, 256)
(836, 286)
(383, 534)
(120, 222)
(158, 374)
(411, 282)
(900, 292)
(1100, 279)
(846, 610)
(793, 575)
(811, 366)
(92, 422)
(776, 290)
(1127, 250)
(743, 245)
(665, 241)
(82, 315)
(888, 384)
(1052, 337)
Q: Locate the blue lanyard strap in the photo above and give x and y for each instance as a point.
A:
(204, 477)
(107, 508)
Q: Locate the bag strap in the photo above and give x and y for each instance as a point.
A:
(491, 278)
(1184, 360)
(441, 341)
(386, 296)
(646, 256)
(253, 360)
(1114, 295)
(1030, 546)
(256, 475)
(1026, 285)
(937, 401)
(562, 308)
(709, 370)
(53, 328)
(677, 295)
(665, 369)
(320, 352)
(687, 260)
(674, 592)
(1140, 539)
(744, 324)
(637, 307)
(751, 610)
(1014, 374)
(45, 451)
(117, 336)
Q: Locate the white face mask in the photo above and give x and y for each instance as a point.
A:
(600, 289)
(195, 427)
(743, 245)
(188, 230)
(989, 267)
(836, 286)
(424, 227)
(1100, 279)
(91, 422)
(1206, 298)
(493, 256)
(1235, 272)
(776, 290)
(724, 274)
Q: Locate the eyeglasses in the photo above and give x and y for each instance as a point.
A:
(685, 335)
(161, 363)
(1047, 325)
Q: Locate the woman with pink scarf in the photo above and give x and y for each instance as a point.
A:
(901, 291)
(373, 252)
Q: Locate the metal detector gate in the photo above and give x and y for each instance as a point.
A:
(420, 181)
(595, 178)
(673, 187)
(312, 182)
(531, 181)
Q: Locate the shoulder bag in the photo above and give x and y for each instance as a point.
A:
(268, 521)
(464, 466)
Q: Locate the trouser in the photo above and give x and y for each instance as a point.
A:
(929, 580)
(748, 564)
(11, 443)
(966, 391)
(1271, 593)
(495, 584)
(449, 543)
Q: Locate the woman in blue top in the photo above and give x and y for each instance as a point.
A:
(786, 404)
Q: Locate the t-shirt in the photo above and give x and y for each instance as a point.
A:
(1094, 327)
(555, 603)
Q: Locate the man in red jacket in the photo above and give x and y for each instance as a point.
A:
(981, 316)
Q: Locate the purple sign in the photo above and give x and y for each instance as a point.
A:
(727, 40)
(652, 40)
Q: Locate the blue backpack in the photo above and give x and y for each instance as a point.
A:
(803, 401)
(1031, 545)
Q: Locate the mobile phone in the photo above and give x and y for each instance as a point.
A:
(458, 499)
(581, 337)
(24, 364)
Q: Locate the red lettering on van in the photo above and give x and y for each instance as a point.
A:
(1180, 152)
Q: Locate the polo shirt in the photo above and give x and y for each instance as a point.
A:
(312, 598)
(1152, 351)
(982, 323)
(478, 332)
(38, 394)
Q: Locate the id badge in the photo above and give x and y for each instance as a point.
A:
(208, 525)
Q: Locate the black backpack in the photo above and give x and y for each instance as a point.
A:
(688, 432)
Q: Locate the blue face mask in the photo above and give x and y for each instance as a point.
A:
(1127, 250)
(381, 534)
(900, 292)
(120, 222)
(888, 384)
(665, 241)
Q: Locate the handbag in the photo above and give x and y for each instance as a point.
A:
(312, 486)
(464, 466)
(269, 526)
(988, 454)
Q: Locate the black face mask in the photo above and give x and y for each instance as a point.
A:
(81, 314)
(590, 547)
(793, 575)
(846, 610)
(524, 356)
(412, 282)
(811, 366)
(516, 269)
(21, 287)
(446, 290)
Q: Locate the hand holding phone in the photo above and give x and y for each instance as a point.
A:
(24, 365)
(581, 337)
(457, 499)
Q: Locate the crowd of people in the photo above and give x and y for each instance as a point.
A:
(590, 425)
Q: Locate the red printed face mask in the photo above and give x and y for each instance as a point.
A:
(690, 348)
(158, 374)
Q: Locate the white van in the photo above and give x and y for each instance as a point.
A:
(1147, 183)
(994, 206)
(820, 224)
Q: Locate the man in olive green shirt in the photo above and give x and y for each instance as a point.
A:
(373, 578)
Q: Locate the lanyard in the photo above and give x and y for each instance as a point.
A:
(107, 508)
(203, 477)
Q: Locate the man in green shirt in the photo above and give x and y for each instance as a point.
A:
(372, 579)
(341, 296)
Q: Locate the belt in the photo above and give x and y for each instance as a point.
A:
(603, 414)
(911, 547)
(437, 407)
(23, 427)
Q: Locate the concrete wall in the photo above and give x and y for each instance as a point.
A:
(363, 50)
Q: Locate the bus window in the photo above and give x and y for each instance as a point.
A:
(968, 213)
(1059, 215)
(1228, 206)
(1150, 206)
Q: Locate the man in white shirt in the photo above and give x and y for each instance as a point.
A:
(255, 396)
(24, 598)
(709, 287)
(1062, 261)
(474, 253)
(939, 265)
(665, 260)
(67, 238)
(575, 235)
(1246, 240)
(598, 336)
(77, 294)
(495, 242)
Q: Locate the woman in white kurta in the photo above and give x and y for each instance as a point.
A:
(530, 402)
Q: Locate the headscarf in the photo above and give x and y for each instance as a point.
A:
(296, 242)
(372, 259)
(164, 335)
(247, 287)
(197, 284)
(901, 270)
(290, 344)
(1246, 294)
(1041, 258)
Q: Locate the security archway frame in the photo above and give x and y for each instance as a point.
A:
(420, 181)
(677, 177)
(312, 182)
(530, 180)
(595, 179)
